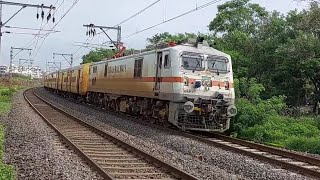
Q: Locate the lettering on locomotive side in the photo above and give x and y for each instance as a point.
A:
(117, 69)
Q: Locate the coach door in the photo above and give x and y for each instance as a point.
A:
(78, 81)
(158, 74)
(70, 80)
(62, 79)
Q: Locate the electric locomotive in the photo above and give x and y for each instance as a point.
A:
(189, 86)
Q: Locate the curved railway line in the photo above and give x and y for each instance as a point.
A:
(111, 157)
(288, 160)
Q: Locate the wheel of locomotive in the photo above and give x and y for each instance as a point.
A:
(113, 105)
(118, 104)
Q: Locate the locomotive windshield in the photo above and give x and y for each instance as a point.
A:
(194, 63)
(217, 63)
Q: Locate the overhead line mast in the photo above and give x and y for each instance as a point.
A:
(23, 5)
(134, 15)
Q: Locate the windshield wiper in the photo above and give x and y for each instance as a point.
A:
(213, 63)
(198, 65)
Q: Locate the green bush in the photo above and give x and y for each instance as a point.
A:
(317, 121)
(7, 91)
(7, 172)
(311, 145)
(285, 132)
(250, 114)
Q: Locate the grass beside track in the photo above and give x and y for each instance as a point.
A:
(7, 90)
(6, 171)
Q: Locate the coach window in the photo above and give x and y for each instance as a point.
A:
(138, 68)
(167, 62)
(105, 70)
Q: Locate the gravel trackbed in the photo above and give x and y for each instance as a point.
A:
(36, 150)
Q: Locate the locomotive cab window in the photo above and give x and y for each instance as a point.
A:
(218, 63)
(138, 68)
(194, 63)
(167, 62)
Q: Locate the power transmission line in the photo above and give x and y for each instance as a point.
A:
(74, 3)
(134, 15)
(41, 28)
(25, 28)
(176, 17)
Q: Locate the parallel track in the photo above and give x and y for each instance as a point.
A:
(292, 161)
(295, 162)
(111, 157)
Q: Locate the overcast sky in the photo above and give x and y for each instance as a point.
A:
(107, 13)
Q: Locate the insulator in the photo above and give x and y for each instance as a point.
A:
(37, 13)
(42, 14)
(49, 16)
(94, 32)
(87, 33)
(53, 19)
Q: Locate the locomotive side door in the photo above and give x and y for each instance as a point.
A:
(156, 88)
(61, 81)
(78, 81)
(70, 81)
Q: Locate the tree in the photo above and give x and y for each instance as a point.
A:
(301, 59)
(167, 37)
(238, 15)
(98, 55)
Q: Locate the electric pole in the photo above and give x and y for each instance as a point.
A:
(91, 31)
(24, 61)
(0, 26)
(13, 56)
(54, 65)
(70, 60)
(23, 5)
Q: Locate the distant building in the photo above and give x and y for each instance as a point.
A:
(3, 70)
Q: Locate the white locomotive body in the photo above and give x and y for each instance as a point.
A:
(188, 86)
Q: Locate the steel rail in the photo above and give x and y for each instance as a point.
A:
(267, 149)
(98, 168)
(281, 152)
(273, 151)
(179, 174)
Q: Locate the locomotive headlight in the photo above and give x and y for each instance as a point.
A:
(227, 85)
(186, 81)
(232, 110)
(188, 107)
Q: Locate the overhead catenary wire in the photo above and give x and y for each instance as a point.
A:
(124, 21)
(25, 28)
(63, 16)
(29, 44)
(173, 18)
(42, 27)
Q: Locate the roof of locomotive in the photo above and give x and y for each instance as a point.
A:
(188, 48)
(180, 48)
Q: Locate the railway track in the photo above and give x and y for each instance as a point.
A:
(288, 160)
(298, 163)
(111, 157)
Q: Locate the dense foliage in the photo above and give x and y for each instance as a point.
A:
(98, 55)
